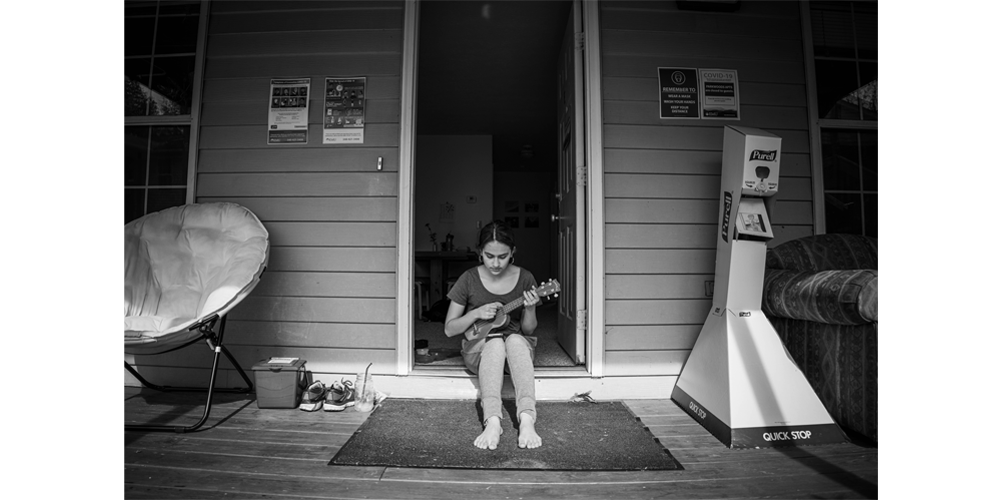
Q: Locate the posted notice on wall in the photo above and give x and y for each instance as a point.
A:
(711, 94)
(344, 111)
(678, 92)
(288, 111)
(720, 94)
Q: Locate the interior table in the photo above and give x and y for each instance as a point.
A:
(440, 263)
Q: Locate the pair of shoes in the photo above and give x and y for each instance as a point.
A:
(312, 397)
(340, 396)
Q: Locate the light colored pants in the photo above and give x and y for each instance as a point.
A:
(487, 358)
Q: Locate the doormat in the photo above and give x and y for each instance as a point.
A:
(422, 433)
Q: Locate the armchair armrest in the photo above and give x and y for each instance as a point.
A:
(838, 297)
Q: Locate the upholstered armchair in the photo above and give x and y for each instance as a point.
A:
(821, 295)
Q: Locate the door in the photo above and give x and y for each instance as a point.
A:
(570, 195)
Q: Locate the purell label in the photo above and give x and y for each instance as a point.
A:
(727, 202)
(761, 155)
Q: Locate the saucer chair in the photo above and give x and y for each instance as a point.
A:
(185, 268)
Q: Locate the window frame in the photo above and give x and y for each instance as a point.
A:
(192, 120)
(817, 125)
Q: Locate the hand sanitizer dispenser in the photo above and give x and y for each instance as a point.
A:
(739, 382)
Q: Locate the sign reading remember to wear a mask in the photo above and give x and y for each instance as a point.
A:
(678, 92)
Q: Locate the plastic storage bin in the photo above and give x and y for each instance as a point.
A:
(279, 382)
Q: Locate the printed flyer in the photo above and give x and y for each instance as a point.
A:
(288, 111)
(344, 111)
(752, 223)
(720, 94)
(678, 92)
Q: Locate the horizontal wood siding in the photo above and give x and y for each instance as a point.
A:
(329, 293)
(662, 176)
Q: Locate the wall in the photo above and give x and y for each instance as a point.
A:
(662, 177)
(328, 294)
(449, 169)
(534, 244)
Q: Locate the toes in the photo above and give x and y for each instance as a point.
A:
(529, 441)
(488, 439)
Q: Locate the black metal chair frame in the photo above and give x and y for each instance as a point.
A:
(207, 329)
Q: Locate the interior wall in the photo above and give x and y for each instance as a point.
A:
(525, 198)
(457, 172)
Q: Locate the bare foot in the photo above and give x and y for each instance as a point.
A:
(491, 435)
(527, 437)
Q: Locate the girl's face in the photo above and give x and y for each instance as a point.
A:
(496, 257)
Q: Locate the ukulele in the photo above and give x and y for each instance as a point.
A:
(482, 328)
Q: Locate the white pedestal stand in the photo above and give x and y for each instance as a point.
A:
(739, 381)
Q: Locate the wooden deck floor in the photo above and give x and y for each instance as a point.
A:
(245, 452)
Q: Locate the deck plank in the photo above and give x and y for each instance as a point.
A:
(314, 422)
(219, 460)
(223, 436)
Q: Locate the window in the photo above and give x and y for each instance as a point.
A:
(845, 48)
(161, 53)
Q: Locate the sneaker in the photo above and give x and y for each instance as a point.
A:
(312, 397)
(340, 396)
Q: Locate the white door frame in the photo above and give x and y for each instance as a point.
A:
(404, 224)
(595, 190)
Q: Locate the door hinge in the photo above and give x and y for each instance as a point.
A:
(581, 319)
(579, 39)
(581, 175)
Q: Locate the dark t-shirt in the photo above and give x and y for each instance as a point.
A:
(470, 292)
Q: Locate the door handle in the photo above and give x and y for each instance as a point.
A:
(555, 218)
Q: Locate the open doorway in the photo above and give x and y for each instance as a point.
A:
(487, 147)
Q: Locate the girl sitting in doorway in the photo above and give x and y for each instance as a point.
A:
(478, 295)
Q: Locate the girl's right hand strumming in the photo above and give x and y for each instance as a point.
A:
(488, 311)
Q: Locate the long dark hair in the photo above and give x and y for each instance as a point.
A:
(497, 231)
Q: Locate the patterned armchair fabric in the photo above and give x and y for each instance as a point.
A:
(837, 297)
(821, 295)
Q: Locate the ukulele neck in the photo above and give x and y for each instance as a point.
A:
(512, 305)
